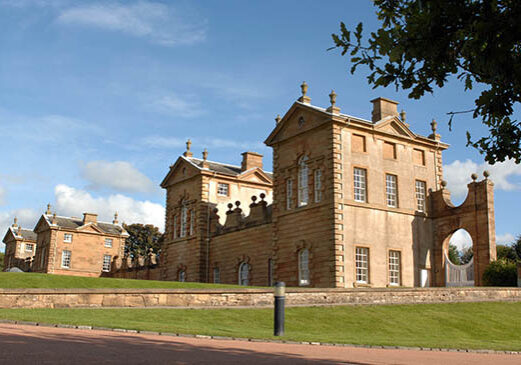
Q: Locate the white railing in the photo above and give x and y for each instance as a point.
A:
(459, 275)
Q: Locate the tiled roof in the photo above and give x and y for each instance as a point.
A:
(74, 223)
(26, 234)
(221, 168)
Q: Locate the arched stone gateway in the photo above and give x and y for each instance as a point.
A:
(476, 216)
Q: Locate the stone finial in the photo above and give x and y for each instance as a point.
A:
(53, 221)
(403, 115)
(474, 176)
(332, 108)
(278, 119)
(262, 196)
(304, 98)
(19, 230)
(443, 184)
(48, 211)
(253, 198)
(115, 221)
(230, 206)
(205, 154)
(304, 88)
(434, 127)
(486, 174)
(238, 203)
(15, 222)
(188, 153)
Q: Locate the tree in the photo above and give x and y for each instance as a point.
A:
(466, 255)
(517, 247)
(500, 273)
(420, 44)
(142, 238)
(454, 254)
(507, 253)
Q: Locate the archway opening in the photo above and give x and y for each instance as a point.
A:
(459, 260)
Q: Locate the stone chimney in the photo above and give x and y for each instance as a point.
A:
(382, 108)
(251, 160)
(90, 218)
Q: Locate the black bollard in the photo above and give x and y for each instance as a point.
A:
(280, 289)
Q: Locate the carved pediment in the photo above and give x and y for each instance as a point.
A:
(394, 126)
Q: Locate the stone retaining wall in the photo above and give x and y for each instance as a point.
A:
(106, 298)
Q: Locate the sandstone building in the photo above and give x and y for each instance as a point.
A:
(20, 246)
(351, 202)
(72, 246)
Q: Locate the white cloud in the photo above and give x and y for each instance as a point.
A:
(2, 196)
(461, 239)
(75, 202)
(458, 174)
(505, 239)
(156, 22)
(178, 106)
(118, 175)
(27, 218)
(203, 142)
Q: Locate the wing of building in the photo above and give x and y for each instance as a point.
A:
(351, 202)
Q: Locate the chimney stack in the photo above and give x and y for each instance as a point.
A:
(90, 218)
(251, 160)
(382, 108)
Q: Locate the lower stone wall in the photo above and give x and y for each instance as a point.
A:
(107, 298)
(145, 273)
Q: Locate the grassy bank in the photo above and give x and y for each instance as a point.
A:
(458, 325)
(11, 280)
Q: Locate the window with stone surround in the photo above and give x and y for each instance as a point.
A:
(107, 259)
(303, 193)
(389, 150)
(181, 276)
(29, 247)
(418, 157)
(223, 189)
(420, 195)
(360, 184)
(289, 194)
(67, 237)
(42, 257)
(362, 265)
(184, 217)
(216, 275)
(358, 143)
(303, 267)
(66, 259)
(175, 226)
(394, 267)
(391, 190)
(318, 185)
(108, 242)
(244, 274)
(192, 221)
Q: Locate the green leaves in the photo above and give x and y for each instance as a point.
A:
(421, 43)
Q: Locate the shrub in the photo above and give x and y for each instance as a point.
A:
(501, 273)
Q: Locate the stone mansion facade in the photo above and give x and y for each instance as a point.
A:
(350, 203)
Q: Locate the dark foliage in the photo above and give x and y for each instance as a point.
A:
(501, 273)
(142, 239)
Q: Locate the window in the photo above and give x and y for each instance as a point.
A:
(389, 150)
(360, 185)
(318, 185)
(66, 259)
(394, 267)
(184, 216)
(270, 272)
(289, 193)
(357, 143)
(244, 274)
(67, 237)
(216, 275)
(303, 267)
(181, 276)
(362, 265)
(29, 247)
(107, 259)
(418, 157)
(391, 190)
(42, 258)
(175, 226)
(223, 189)
(420, 195)
(303, 182)
(108, 242)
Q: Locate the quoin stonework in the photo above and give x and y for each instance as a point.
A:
(350, 203)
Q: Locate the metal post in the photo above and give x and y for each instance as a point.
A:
(280, 289)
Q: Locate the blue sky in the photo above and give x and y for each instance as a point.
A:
(98, 97)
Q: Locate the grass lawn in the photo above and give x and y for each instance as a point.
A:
(457, 325)
(12, 280)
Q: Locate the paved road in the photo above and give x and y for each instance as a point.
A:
(45, 345)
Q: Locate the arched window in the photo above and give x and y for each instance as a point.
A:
(181, 276)
(303, 181)
(184, 217)
(244, 274)
(303, 267)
